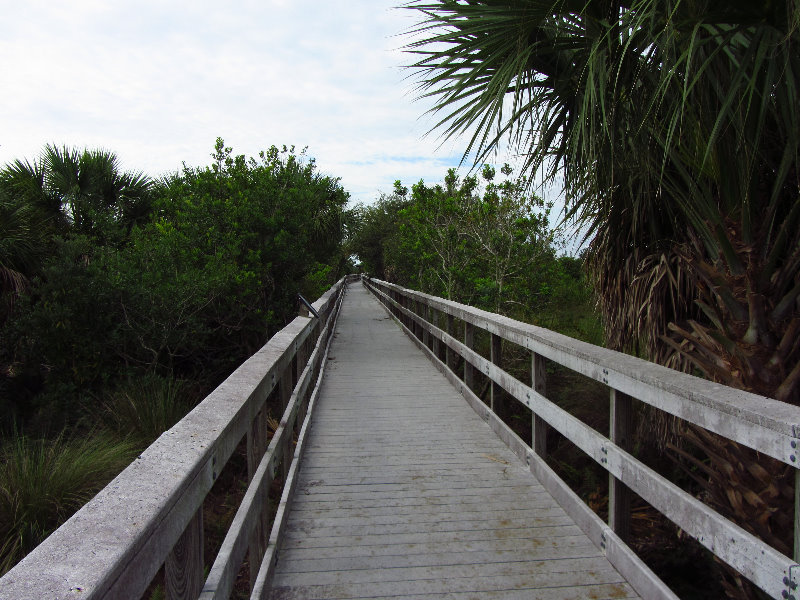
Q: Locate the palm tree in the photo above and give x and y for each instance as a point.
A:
(675, 129)
(80, 192)
(21, 248)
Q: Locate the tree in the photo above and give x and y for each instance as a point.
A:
(472, 241)
(188, 293)
(81, 192)
(21, 249)
(674, 126)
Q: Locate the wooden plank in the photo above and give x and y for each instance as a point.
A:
(262, 583)
(751, 557)
(508, 531)
(183, 569)
(496, 356)
(449, 355)
(430, 572)
(596, 592)
(380, 509)
(619, 495)
(797, 517)
(469, 342)
(538, 425)
(256, 447)
(763, 424)
(633, 568)
(435, 341)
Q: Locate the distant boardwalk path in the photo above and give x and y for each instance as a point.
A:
(404, 492)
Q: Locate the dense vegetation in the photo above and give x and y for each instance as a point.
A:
(477, 241)
(124, 300)
(675, 127)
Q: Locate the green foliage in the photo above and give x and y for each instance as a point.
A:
(675, 130)
(189, 293)
(142, 408)
(44, 481)
(481, 242)
(81, 192)
(22, 246)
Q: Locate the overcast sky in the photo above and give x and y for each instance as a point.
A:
(158, 81)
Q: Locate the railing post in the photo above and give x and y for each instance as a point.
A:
(539, 385)
(256, 447)
(426, 317)
(434, 339)
(448, 352)
(183, 569)
(495, 355)
(418, 310)
(619, 496)
(469, 342)
(302, 361)
(286, 387)
(797, 515)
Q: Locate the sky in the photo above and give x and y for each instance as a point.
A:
(157, 82)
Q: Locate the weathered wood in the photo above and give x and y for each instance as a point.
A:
(469, 342)
(496, 356)
(183, 569)
(256, 447)
(302, 362)
(763, 424)
(757, 561)
(645, 578)
(285, 391)
(449, 354)
(497, 530)
(619, 495)
(797, 516)
(538, 425)
(134, 523)
(268, 561)
(245, 523)
(434, 345)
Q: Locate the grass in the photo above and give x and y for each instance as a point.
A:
(141, 409)
(44, 481)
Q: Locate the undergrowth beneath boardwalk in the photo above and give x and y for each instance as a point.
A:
(679, 560)
(219, 509)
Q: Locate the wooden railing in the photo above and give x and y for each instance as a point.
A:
(765, 425)
(151, 514)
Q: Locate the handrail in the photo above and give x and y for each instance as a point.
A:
(764, 424)
(151, 514)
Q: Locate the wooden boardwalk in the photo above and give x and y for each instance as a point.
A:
(404, 492)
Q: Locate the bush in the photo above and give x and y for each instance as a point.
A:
(43, 482)
(143, 408)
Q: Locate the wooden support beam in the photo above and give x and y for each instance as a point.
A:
(797, 515)
(426, 316)
(256, 447)
(183, 569)
(539, 384)
(448, 352)
(619, 495)
(285, 390)
(469, 342)
(495, 355)
(435, 340)
(303, 353)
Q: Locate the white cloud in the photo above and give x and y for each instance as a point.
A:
(157, 82)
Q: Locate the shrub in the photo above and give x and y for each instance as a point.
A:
(43, 482)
